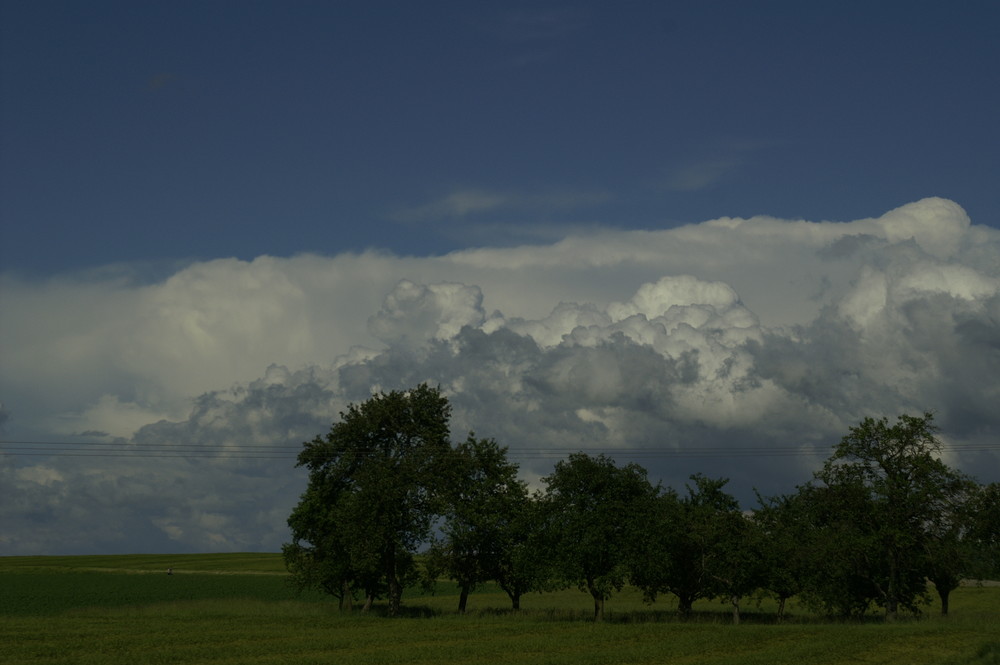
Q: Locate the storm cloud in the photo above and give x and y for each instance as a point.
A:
(736, 347)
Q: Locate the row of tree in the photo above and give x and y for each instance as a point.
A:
(882, 517)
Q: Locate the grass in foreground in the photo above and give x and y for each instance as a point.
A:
(252, 618)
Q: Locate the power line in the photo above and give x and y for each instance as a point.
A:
(290, 451)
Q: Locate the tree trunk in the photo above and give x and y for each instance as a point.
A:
(463, 598)
(392, 578)
(347, 597)
(684, 602)
(945, 584)
(891, 605)
(598, 600)
(892, 591)
(514, 593)
(943, 593)
(598, 608)
(735, 600)
(395, 596)
(781, 608)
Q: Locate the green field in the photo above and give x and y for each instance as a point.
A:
(237, 608)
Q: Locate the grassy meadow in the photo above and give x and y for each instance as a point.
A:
(238, 608)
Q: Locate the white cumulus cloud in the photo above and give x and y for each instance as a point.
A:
(731, 335)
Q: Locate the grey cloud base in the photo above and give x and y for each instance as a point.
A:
(738, 348)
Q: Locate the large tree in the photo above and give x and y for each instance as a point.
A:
(372, 495)
(903, 498)
(593, 514)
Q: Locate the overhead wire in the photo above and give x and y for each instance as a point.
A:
(276, 451)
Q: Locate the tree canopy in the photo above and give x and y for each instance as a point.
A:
(483, 510)
(387, 489)
(372, 494)
(897, 502)
(592, 511)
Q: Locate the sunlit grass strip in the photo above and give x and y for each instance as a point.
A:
(243, 562)
(55, 593)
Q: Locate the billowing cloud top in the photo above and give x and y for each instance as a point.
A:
(735, 347)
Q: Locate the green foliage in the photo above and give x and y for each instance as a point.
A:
(840, 548)
(655, 558)
(896, 511)
(699, 546)
(984, 532)
(784, 529)
(371, 498)
(485, 522)
(520, 568)
(882, 517)
(592, 517)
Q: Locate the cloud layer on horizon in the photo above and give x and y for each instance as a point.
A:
(746, 334)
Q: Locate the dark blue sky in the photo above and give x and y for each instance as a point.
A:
(144, 132)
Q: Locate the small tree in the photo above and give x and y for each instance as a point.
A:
(784, 531)
(372, 494)
(984, 532)
(840, 549)
(593, 506)
(735, 562)
(697, 546)
(965, 543)
(521, 567)
(951, 546)
(319, 558)
(652, 559)
(483, 503)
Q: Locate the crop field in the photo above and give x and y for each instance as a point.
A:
(238, 608)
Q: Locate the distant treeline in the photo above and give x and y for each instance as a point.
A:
(882, 518)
